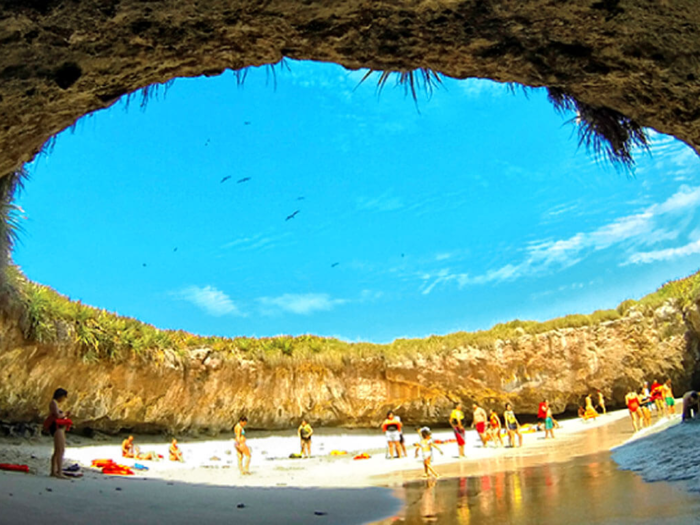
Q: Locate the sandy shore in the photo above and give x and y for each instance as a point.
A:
(278, 489)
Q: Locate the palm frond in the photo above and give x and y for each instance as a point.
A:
(421, 79)
(10, 213)
(604, 132)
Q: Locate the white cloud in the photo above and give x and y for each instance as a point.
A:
(211, 300)
(663, 255)
(302, 304)
(651, 226)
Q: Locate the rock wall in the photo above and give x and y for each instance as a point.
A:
(204, 392)
(62, 59)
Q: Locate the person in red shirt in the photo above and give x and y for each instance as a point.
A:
(542, 414)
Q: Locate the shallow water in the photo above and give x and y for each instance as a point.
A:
(575, 482)
(589, 489)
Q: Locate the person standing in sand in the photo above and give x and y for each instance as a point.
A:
(426, 447)
(242, 446)
(601, 402)
(56, 425)
(644, 404)
(667, 392)
(590, 411)
(392, 430)
(457, 424)
(657, 397)
(549, 424)
(479, 420)
(305, 432)
(633, 403)
(512, 426)
(495, 424)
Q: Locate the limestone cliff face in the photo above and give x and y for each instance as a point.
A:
(204, 391)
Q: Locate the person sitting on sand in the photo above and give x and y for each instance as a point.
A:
(667, 393)
(633, 403)
(479, 421)
(305, 432)
(456, 422)
(691, 405)
(242, 446)
(601, 402)
(426, 447)
(549, 424)
(130, 450)
(590, 411)
(512, 426)
(56, 425)
(175, 452)
(495, 427)
(392, 430)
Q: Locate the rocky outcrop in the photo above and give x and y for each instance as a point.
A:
(204, 391)
(61, 59)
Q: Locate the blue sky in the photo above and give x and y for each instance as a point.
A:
(476, 209)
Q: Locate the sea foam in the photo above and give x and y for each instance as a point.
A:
(670, 455)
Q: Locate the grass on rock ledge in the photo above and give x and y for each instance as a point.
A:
(48, 317)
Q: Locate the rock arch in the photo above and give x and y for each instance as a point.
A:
(62, 59)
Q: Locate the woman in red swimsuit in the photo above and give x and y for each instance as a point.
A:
(633, 403)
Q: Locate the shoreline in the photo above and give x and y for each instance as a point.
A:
(280, 490)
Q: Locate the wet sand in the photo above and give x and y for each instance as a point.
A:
(578, 484)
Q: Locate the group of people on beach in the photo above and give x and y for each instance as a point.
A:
(658, 398)
(641, 403)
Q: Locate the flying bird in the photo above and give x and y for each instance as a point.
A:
(334, 264)
(300, 198)
(402, 255)
(175, 249)
(207, 142)
(292, 215)
(246, 123)
(227, 177)
(144, 265)
(244, 179)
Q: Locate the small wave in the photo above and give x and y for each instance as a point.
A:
(670, 455)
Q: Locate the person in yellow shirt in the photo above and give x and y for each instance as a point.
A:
(457, 424)
(305, 432)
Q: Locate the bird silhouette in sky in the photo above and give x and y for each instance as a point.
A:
(300, 198)
(402, 255)
(144, 265)
(175, 249)
(246, 123)
(207, 142)
(244, 179)
(227, 177)
(292, 215)
(334, 264)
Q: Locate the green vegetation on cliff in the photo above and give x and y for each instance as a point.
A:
(47, 317)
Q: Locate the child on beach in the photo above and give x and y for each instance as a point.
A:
(495, 424)
(512, 426)
(426, 447)
(549, 424)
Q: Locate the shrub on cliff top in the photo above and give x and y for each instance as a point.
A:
(48, 316)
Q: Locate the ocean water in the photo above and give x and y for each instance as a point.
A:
(671, 455)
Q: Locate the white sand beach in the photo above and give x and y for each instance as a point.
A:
(278, 490)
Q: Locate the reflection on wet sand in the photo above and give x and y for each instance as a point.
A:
(589, 489)
(566, 488)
